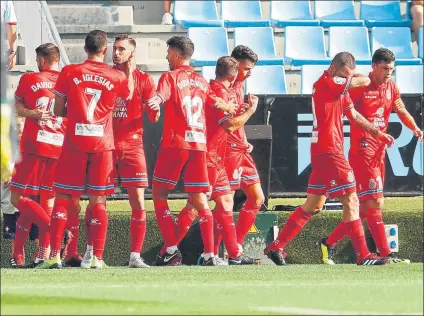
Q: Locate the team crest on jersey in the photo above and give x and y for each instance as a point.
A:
(380, 111)
(372, 184)
(350, 176)
(333, 183)
(388, 94)
(237, 173)
(339, 80)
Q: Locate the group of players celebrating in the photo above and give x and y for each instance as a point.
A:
(83, 134)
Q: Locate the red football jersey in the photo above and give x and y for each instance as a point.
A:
(43, 138)
(375, 103)
(187, 96)
(216, 135)
(90, 89)
(237, 140)
(329, 100)
(128, 114)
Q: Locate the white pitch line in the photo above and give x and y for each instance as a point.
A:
(311, 311)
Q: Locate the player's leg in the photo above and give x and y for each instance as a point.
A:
(70, 254)
(169, 165)
(251, 186)
(196, 183)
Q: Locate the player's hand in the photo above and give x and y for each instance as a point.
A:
(419, 133)
(154, 103)
(249, 148)
(253, 101)
(386, 139)
(38, 114)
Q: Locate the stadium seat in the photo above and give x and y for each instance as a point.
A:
(210, 43)
(305, 45)
(350, 39)
(208, 72)
(421, 43)
(292, 13)
(336, 13)
(410, 79)
(398, 40)
(308, 75)
(267, 80)
(196, 14)
(382, 13)
(261, 41)
(242, 13)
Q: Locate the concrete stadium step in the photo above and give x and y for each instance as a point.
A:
(91, 14)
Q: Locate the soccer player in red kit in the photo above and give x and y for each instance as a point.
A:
(40, 146)
(130, 161)
(367, 154)
(85, 94)
(187, 97)
(331, 173)
(239, 164)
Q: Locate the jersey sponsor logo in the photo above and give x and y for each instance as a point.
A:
(339, 80)
(50, 138)
(89, 130)
(371, 97)
(195, 137)
(121, 108)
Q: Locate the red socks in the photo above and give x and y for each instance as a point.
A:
(245, 220)
(165, 223)
(206, 230)
(98, 228)
(217, 232)
(225, 225)
(23, 226)
(378, 233)
(87, 220)
(337, 234)
(355, 231)
(137, 230)
(58, 224)
(184, 221)
(34, 213)
(73, 226)
(293, 226)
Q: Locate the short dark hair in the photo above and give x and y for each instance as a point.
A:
(241, 52)
(95, 41)
(183, 44)
(344, 59)
(49, 52)
(383, 55)
(226, 66)
(129, 38)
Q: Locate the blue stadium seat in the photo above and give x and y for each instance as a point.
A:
(382, 13)
(336, 13)
(292, 13)
(267, 80)
(310, 74)
(210, 43)
(261, 41)
(350, 39)
(196, 14)
(208, 72)
(305, 45)
(242, 13)
(398, 40)
(410, 79)
(420, 43)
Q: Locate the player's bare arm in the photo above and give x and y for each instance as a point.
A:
(35, 114)
(224, 106)
(155, 102)
(359, 80)
(60, 106)
(356, 118)
(239, 121)
(407, 119)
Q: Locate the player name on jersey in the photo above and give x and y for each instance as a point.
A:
(94, 78)
(191, 82)
(42, 85)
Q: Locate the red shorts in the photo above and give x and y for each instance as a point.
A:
(332, 175)
(130, 168)
(369, 173)
(175, 162)
(90, 172)
(241, 170)
(219, 182)
(34, 174)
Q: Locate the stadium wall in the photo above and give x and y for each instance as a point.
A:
(301, 251)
